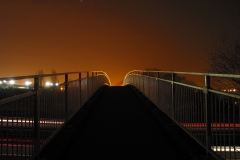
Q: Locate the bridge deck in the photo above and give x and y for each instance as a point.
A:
(118, 126)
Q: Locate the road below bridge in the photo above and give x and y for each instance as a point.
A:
(114, 124)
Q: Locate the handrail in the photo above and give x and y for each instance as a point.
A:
(48, 75)
(17, 97)
(190, 73)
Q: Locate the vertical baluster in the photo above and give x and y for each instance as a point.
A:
(229, 132)
(235, 104)
(221, 122)
(87, 85)
(158, 88)
(208, 113)
(173, 95)
(212, 119)
(36, 117)
(223, 131)
(236, 122)
(7, 152)
(17, 127)
(202, 132)
(46, 108)
(177, 103)
(216, 107)
(66, 97)
(25, 124)
(190, 93)
(92, 83)
(143, 79)
(12, 128)
(186, 107)
(2, 131)
(80, 88)
(21, 128)
(198, 110)
(181, 104)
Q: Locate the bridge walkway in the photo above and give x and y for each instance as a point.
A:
(116, 125)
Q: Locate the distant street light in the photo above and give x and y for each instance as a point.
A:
(27, 83)
(51, 84)
(11, 82)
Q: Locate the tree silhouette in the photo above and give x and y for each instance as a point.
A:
(41, 79)
(224, 58)
(54, 78)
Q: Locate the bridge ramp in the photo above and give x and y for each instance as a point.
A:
(118, 126)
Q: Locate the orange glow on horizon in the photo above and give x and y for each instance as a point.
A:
(112, 36)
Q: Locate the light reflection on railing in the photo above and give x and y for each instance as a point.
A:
(41, 121)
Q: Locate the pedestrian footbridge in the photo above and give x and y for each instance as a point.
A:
(154, 115)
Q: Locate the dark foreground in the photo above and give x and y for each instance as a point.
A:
(116, 124)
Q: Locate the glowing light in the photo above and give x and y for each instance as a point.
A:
(226, 149)
(11, 82)
(56, 84)
(27, 83)
(47, 83)
(56, 121)
(0, 82)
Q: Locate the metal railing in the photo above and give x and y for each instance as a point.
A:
(210, 116)
(29, 119)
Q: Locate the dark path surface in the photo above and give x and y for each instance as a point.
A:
(117, 127)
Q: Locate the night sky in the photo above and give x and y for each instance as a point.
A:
(114, 36)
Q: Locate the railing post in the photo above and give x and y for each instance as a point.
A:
(173, 95)
(132, 79)
(66, 97)
(92, 79)
(88, 84)
(207, 114)
(36, 117)
(148, 79)
(139, 73)
(80, 87)
(142, 81)
(135, 79)
(158, 76)
(96, 85)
